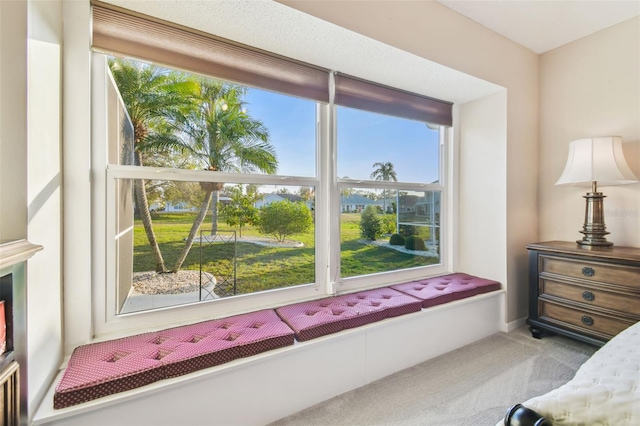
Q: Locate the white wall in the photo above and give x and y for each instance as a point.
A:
(13, 120)
(590, 87)
(483, 187)
(30, 174)
(44, 196)
(432, 31)
(76, 157)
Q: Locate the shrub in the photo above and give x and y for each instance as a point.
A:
(414, 243)
(388, 223)
(284, 218)
(396, 240)
(408, 230)
(370, 226)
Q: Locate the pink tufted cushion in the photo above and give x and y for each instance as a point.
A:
(438, 290)
(105, 368)
(317, 318)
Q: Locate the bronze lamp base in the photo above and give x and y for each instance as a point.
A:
(594, 229)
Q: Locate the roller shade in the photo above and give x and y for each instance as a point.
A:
(356, 93)
(123, 33)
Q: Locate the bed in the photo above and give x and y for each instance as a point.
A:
(604, 391)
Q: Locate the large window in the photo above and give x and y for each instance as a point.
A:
(180, 239)
(386, 216)
(252, 181)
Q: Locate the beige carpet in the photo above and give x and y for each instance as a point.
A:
(473, 385)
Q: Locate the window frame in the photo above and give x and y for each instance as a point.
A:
(104, 177)
(327, 226)
(379, 279)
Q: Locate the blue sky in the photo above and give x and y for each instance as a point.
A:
(363, 139)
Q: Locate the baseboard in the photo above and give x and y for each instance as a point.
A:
(516, 324)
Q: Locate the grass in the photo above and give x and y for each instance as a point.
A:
(259, 267)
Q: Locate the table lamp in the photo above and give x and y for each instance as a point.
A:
(594, 161)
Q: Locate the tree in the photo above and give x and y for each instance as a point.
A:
(384, 172)
(307, 193)
(284, 218)
(345, 191)
(222, 137)
(151, 95)
(241, 209)
(188, 193)
(370, 225)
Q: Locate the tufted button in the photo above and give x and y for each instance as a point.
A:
(232, 336)
(195, 339)
(117, 356)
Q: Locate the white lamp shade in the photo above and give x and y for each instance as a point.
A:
(596, 160)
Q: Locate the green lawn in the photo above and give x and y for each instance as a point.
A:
(263, 268)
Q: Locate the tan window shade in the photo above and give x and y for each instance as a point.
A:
(119, 32)
(361, 94)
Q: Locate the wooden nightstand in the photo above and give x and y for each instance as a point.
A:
(587, 293)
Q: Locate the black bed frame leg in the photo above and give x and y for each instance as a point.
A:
(519, 415)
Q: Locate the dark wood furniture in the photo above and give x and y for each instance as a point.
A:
(587, 293)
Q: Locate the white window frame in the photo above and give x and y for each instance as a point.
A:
(105, 317)
(107, 324)
(349, 284)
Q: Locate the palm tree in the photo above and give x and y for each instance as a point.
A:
(384, 172)
(222, 137)
(151, 95)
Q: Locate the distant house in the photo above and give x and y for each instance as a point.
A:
(428, 206)
(355, 203)
(407, 203)
(178, 207)
(274, 198)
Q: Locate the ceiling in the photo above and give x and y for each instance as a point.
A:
(543, 25)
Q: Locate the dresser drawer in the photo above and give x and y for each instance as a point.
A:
(603, 299)
(627, 276)
(582, 320)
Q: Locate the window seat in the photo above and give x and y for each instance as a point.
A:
(105, 368)
(317, 318)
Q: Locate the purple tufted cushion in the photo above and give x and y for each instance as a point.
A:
(438, 290)
(317, 318)
(105, 368)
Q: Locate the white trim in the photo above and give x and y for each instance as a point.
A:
(513, 325)
(76, 173)
(186, 175)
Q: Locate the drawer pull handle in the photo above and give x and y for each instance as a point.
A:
(586, 320)
(589, 272)
(588, 296)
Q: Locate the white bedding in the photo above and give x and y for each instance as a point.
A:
(604, 391)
